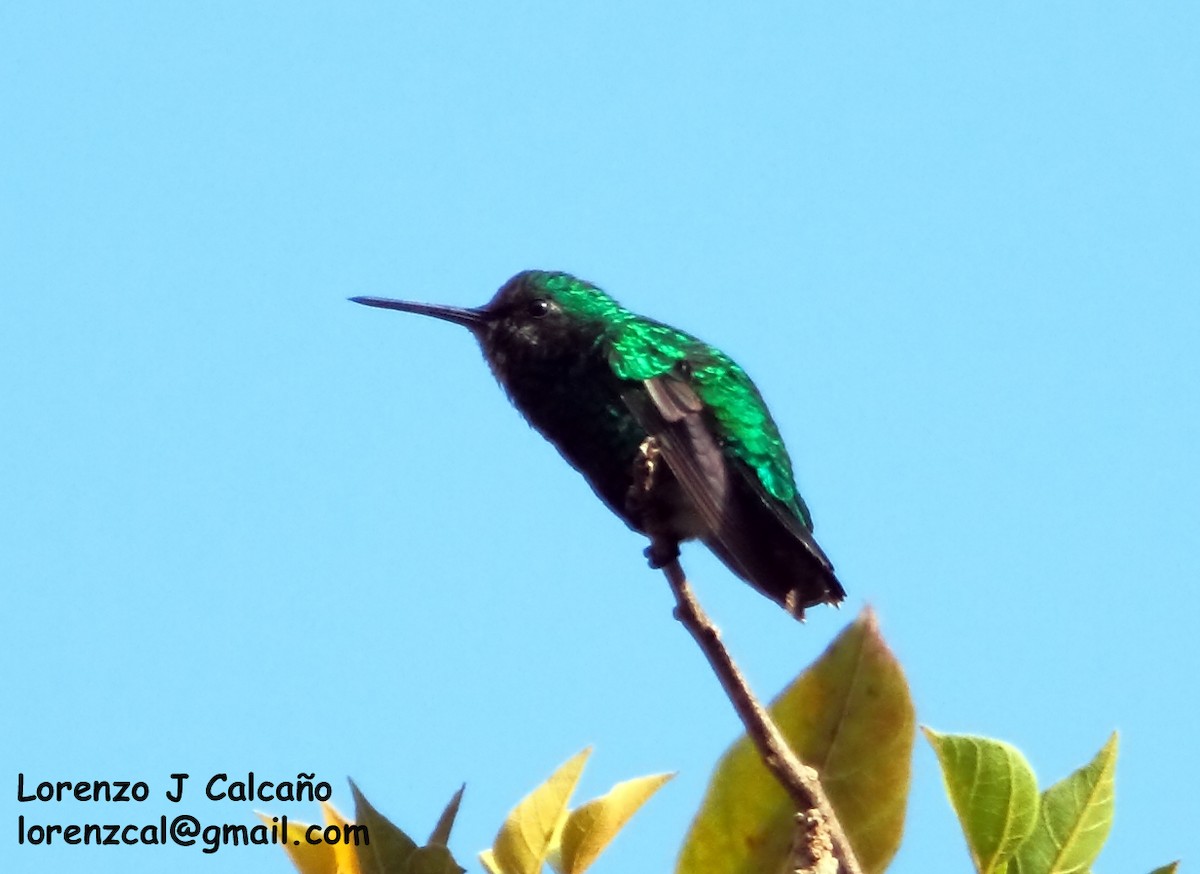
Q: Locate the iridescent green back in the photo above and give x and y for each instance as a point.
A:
(639, 349)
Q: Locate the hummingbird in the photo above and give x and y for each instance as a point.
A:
(668, 431)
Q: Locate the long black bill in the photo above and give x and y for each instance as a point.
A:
(468, 318)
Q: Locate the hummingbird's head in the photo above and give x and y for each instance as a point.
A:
(535, 315)
(540, 314)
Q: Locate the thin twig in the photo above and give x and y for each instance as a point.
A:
(816, 816)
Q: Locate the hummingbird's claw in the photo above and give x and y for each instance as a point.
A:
(660, 554)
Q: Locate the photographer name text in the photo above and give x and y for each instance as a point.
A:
(219, 787)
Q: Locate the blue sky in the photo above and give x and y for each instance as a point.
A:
(245, 525)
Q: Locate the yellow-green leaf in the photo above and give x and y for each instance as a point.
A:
(441, 831)
(488, 859)
(345, 856)
(1073, 822)
(591, 827)
(433, 859)
(390, 847)
(307, 858)
(1167, 869)
(994, 793)
(849, 716)
(524, 840)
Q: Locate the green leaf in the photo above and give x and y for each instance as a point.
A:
(433, 859)
(994, 793)
(591, 827)
(1167, 869)
(525, 838)
(390, 848)
(849, 716)
(441, 831)
(1073, 822)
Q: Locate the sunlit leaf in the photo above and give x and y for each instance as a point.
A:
(307, 858)
(345, 855)
(433, 859)
(524, 840)
(849, 716)
(994, 793)
(591, 827)
(1073, 822)
(488, 859)
(390, 847)
(441, 831)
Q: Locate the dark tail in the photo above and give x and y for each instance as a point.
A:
(776, 555)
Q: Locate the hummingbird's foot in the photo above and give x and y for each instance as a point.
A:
(661, 553)
(640, 504)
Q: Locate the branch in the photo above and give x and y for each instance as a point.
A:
(819, 832)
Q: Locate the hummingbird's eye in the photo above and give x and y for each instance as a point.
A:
(538, 307)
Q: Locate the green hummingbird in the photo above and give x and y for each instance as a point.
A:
(669, 432)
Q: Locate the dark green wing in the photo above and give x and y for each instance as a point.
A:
(641, 350)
